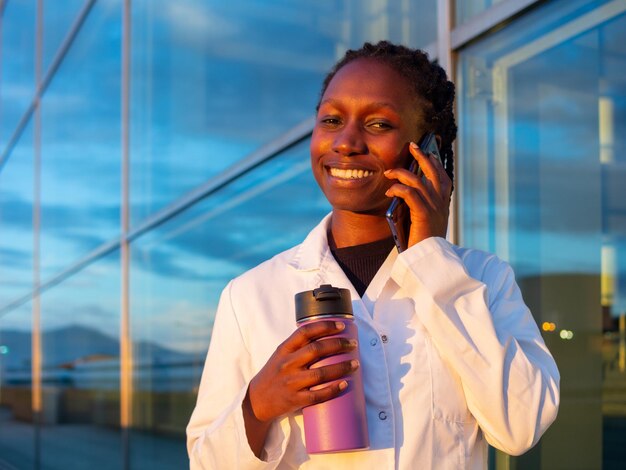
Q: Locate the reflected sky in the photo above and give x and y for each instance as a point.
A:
(16, 224)
(17, 74)
(210, 83)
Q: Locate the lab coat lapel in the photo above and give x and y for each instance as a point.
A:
(314, 256)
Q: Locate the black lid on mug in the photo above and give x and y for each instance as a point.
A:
(324, 300)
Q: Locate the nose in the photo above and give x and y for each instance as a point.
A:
(349, 141)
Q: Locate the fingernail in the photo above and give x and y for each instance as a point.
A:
(354, 363)
(353, 342)
(387, 193)
(414, 145)
(386, 172)
(339, 325)
(343, 385)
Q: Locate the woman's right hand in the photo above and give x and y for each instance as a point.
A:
(284, 384)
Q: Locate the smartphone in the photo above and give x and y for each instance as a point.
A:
(400, 231)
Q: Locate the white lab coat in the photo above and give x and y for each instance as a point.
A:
(462, 362)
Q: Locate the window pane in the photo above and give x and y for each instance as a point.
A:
(17, 81)
(467, 9)
(544, 161)
(16, 221)
(213, 81)
(178, 273)
(81, 370)
(17, 437)
(81, 144)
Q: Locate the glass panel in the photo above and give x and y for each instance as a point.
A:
(16, 221)
(213, 81)
(17, 436)
(17, 81)
(81, 144)
(544, 161)
(465, 10)
(58, 18)
(81, 370)
(178, 272)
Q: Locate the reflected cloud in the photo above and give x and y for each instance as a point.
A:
(167, 263)
(17, 212)
(16, 259)
(197, 22)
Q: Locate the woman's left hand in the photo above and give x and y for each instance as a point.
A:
(428, 199)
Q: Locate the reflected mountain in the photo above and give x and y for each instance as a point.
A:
(77, 347)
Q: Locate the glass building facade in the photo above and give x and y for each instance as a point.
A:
(152, 150)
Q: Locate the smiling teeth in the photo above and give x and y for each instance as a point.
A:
(350, 174)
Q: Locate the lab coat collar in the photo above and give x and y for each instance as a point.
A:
(314, 249)
(314, 255)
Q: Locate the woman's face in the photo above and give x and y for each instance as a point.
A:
(366, 120)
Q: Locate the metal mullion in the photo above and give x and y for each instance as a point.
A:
(443, 34)
(445, 9)
(455, 226)
(125, 337)
(36, 362)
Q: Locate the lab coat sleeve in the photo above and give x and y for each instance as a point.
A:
(216, 435)
(487, 335)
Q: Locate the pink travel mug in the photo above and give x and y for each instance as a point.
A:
(339, 424)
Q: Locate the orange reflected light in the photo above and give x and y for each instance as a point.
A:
(548, 326)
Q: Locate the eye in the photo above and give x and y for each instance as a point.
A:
(379, 125)
(330, 121)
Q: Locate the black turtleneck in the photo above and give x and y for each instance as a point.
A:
(361, 262)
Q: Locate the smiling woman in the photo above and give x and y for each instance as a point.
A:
(444, 315)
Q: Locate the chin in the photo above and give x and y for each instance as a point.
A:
(350, 206)
(373, 202)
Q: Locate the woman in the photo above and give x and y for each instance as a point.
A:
(450, 355)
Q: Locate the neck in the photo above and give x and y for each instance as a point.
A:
(351, 229)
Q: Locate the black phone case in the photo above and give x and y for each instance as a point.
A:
(428, 145)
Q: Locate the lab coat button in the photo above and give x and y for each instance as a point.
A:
(384, 338)
(382, 416)
(373, 341)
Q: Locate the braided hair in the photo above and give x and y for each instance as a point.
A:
(429, 81)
